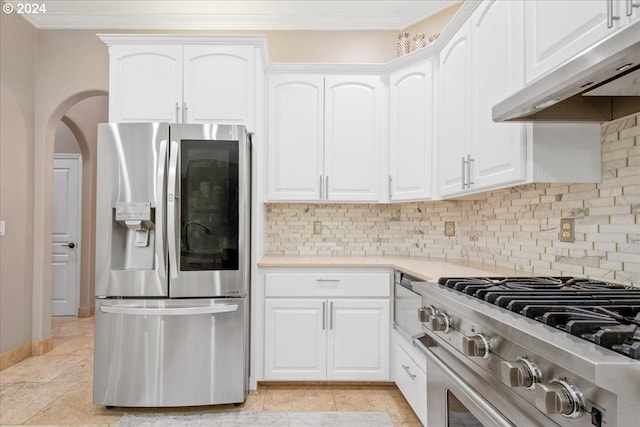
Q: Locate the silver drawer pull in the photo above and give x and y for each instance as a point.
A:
(327, 280)
(408, 371)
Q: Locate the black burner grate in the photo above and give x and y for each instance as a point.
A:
(606, 314)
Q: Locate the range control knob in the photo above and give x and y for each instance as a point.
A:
(440, 322)
(476, 346)
(425, 313)
(520, 373)
(559, 397)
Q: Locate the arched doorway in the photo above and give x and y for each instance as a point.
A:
(81, 115)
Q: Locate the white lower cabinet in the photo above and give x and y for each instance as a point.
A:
(409, 373)
(327, 327)
(327, 339)
(358, 340)
(295, 339)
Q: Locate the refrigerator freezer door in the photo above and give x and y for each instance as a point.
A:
(208, 211)
(151, 353)
(130, 210)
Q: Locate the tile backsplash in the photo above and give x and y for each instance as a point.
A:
(514, 228)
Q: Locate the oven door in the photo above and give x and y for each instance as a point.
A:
(461, 396)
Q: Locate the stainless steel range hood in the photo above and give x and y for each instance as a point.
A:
(600, 84)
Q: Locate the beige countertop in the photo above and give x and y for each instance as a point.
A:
(422, 268)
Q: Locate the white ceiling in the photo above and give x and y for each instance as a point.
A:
(233, 15)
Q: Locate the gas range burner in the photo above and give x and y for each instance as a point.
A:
(606, 314)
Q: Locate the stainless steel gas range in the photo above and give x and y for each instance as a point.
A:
(540, 351)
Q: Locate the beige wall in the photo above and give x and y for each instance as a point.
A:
(17, 109)
(43, 74)
(72, 66)
(65, 141)
(513, 228)
(433, 25)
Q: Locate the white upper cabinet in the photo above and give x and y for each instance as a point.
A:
(497, 149)
(219, 84)
(480, 66)
(558, 30)
(145, 83)
(180, 83)
(631, 10)
(454, 132)
(411, 132)
(296, 137)
(354, 116)
(325, 135)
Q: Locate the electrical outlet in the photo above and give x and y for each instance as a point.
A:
(567, 230)
(317, 227)
(449, 228)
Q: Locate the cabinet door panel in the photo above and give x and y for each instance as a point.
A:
(145, 83)
(295, 150)
(219, 84)
(411, 127)
(358, 341)
(497, 148)
(353, 136)
(295, 340)
(411, 380)
(455, 97)
(558, 30)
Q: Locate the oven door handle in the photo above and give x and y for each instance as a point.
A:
(485, 406)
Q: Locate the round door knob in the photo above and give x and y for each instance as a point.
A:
(559, 397)
(440, 322)
(71, 245)
(476, 346)
(520, 373)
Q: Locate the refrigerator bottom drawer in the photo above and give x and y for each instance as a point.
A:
(153, 353)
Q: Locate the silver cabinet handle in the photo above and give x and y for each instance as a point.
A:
(326, 187)
(408, 371)
(320, 281)
(184, 112)
(177, 112)
(630, 5)
(168, 311)
(331, 315)
(390, 186)
(464, 172)
(324, 315)
(321, 188)
(469, 161)
(610, 15)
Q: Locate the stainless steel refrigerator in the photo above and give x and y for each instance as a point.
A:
(172, 265)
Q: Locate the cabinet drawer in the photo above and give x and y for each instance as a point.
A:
(412, 382)
(327, 284)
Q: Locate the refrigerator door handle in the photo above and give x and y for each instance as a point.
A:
(161, 252)
(164, 311)
(172, 196)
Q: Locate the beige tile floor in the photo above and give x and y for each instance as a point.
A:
(55, 389)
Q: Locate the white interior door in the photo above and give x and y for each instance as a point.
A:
(65, 288)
